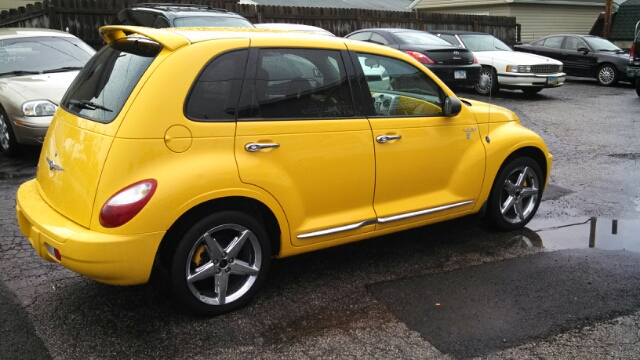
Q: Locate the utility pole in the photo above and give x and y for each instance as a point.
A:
(608, 9)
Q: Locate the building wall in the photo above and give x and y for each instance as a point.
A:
(542, 20)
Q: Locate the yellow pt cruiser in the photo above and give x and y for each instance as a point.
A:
(207, 152)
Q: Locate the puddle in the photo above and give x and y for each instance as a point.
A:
(599, 233)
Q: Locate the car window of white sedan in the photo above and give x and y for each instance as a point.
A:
(483, 42)
(400, 89)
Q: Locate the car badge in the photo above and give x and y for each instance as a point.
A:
(456, 53)
(53, 165)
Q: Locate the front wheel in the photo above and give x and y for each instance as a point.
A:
(8, 143)
(488, 81)
(220, 263)
(515, 195)
(607, 75)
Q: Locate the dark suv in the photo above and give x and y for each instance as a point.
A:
(633, 70)
(161, 15)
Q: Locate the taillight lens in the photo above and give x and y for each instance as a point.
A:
(422, 58)
(127, 203)
(475, 60)
(632, 52)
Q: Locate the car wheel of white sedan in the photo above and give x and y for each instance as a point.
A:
(607, 75)
(488, 81)
(515, 195)
(220, 263)
(8, 144)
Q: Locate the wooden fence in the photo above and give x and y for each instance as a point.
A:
(83, 18)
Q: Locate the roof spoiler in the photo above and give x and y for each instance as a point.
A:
(167, 39)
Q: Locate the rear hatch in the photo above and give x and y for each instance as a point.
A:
(83, 129)
(450, 56)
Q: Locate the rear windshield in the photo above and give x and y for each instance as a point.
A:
(43, 54)
(211, 21)
(100, 90)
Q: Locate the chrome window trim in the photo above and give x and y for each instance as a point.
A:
(381, 220)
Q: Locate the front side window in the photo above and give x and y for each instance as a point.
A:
(216, 91)
(573, 43)
(301, 84)
(45, 54)
(600, 44)
(400, 89)
(475, 42)
(100, 90)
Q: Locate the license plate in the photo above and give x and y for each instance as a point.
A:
(552, 80)
(459, 74)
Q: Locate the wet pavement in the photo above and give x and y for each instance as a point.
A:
(345, 302)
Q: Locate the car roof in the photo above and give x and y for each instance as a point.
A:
(31, 32)
(391, 30)
(456, 32)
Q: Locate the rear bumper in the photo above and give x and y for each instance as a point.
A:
(107, 258)
(447, 73)
(531, 80)
(633, 72)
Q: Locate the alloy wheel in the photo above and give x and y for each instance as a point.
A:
(4, 133)
(519, 194)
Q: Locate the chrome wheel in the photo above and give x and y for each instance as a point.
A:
(223, 264)
(607, 75)
(487, 81)
(4, 133)
(519, 196)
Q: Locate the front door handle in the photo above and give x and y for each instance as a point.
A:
(253, 147)
(386, 138)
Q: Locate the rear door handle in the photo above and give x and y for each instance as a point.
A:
(386, 138)
(253, 147)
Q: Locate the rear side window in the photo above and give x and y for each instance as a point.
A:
(215, 94)
(100, 90)
(301, 84)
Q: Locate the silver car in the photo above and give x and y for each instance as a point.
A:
(36, 68)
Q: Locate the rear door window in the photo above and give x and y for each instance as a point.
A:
(100, 90)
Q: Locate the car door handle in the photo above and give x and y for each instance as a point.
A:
(386, 138)
(253, 147)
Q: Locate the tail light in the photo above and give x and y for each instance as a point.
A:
(475, 60)
(127, 203)
(422, 58)
(632, 52)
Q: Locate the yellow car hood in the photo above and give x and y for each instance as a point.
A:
(489, 113)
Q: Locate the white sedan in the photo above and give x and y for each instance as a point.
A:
(505, 68)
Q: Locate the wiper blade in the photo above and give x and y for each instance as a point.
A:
(63, 69)
(85, 104)
(20, 72)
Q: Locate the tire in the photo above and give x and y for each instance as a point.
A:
(8, 144)
(607, 75)
(228, 250)
(638, 86)
(488, 81)
(515, 195)
(531, 91)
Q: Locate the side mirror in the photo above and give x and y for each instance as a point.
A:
(451, 106)
(583, 49)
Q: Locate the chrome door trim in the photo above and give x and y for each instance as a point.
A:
(336, 229)
(381, 220)
(421, 212)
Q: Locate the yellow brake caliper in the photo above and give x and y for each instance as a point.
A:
(197, 257)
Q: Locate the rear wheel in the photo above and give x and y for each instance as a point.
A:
(515, 195)
(8, 143)
(488, 81)
(607, 75)
(220, 263)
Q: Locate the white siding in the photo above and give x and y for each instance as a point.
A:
(493, 10)
(437, 5)
(544, 19)
(14, 4)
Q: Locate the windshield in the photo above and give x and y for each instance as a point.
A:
(418, 38)
(43, 54)
(211, 21)
(103, 86)
(483, 42)
(600, 44)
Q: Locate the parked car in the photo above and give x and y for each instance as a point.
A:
(633, 70)
(583, 55)
(36, 67)
(503, 68)
(452, 65)
(295, 27)
(164, 15)
(265, 144)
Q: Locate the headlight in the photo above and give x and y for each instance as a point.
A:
(560, 69)
(39, 108)
(519, 68)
